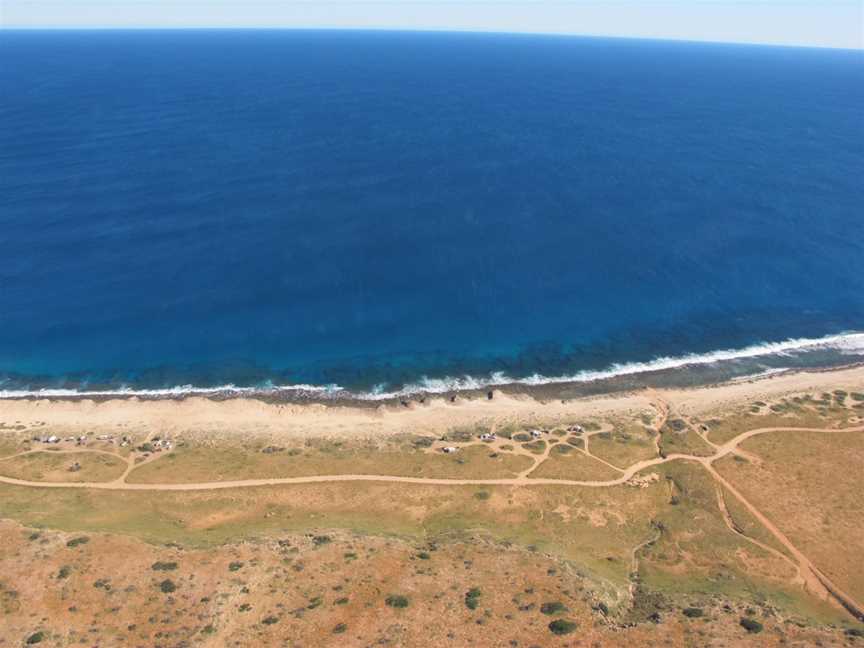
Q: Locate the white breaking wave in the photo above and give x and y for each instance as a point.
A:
(845, 343)
(169, 392)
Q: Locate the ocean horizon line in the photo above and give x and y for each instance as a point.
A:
(408, 30)
(851, 342)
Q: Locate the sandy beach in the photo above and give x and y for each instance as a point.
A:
(238, 416)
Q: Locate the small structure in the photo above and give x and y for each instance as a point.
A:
(536, 434)
(75, 467)
(488, 436)
(449, 450)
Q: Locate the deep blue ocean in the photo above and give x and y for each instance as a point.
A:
(368, 208)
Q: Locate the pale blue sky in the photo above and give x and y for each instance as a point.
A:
(826, 23)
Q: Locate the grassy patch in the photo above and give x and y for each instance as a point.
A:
(809, 485)
(575, 465)
(683, 442)
(624, 446)
(56, 467)
(196, 463)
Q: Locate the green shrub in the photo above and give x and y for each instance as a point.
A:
(270, 620)
(341, 601)
(339, 628)
(423, 555)
(321, 540)
(64, 572)
(472, 598)
(75, 542)
(553, 607)
(35, 638)
(482, 495)
(164, 566)
(397, 601)
(692, 612)
(750, 625)
(235, 566)
(562, 626)
(167, 586)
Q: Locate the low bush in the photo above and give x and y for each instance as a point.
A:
(562, 626)
(553, 607)
(750, 625)
(472, 598)
(75, 542)
(692, 612)
(164, 566)
(397, 601)
(167, 586)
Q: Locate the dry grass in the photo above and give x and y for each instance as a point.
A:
(55, 467)
(683, 442)
(574, 465)
(795, 411)
(198, 463)
(810, 486)
(625, 445)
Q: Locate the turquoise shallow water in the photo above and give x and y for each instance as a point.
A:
(367, 209)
